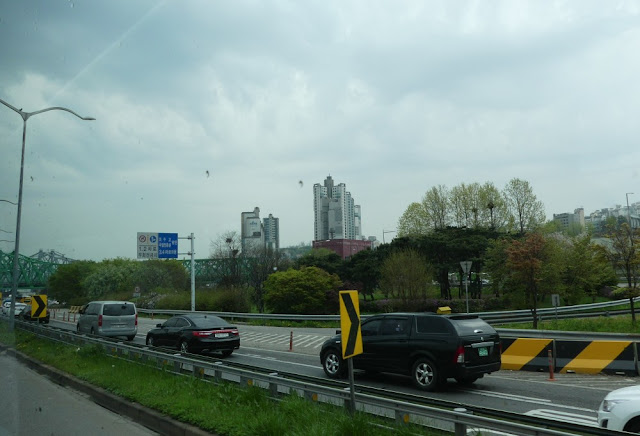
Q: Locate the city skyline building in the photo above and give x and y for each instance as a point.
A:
(271, 226)
(336, 216)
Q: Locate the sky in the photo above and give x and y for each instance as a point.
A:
(206, 109)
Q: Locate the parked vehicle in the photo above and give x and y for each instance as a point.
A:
(25, 315)
(620, 410)
(6, 308)
(428, 347)
(193, 333)
(109, 318)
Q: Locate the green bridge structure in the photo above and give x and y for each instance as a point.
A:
(34, 271)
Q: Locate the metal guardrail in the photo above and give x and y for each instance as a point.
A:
(457, 420)
(511, 316)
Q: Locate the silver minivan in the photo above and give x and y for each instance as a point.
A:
(109, 318)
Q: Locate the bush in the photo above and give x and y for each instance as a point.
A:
(216, 300)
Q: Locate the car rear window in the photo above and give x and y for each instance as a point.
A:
(118, 309)
(471, 326)
(432, 324)
(209, 322)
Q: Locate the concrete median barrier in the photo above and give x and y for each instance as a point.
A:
(526, 354)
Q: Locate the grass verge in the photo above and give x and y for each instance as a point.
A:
(225, 408)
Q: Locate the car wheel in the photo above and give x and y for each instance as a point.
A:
(466, 380)
(633, 426)
(93, 331)
(425, 374)
(333, 364)
(150, 341)
(131, 338)
(184, 347)
(78, 328)
(226, 353)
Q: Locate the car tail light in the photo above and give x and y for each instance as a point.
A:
(459, 356)
(206, 333)
(136, 320)
(99, 320)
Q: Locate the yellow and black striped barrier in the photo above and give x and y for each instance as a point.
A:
(582, 357)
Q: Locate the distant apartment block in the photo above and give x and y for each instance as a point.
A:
(256, 234)
(567, 220)
(336, 216)
(271, 226)
(628, 213)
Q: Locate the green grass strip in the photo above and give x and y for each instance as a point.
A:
(224, 408)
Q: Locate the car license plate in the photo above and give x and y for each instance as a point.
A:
(483, 352)
(222, 335)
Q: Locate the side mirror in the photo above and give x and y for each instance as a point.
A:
(159, 325)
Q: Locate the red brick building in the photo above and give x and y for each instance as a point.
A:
(344, 247)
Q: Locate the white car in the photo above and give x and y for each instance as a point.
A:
(6, 308)
(620, 410)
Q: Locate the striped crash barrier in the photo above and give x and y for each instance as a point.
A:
(567, 356)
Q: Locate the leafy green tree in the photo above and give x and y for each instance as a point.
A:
(261, 263)
(66, 283)
(323, 258)
(363, 269)
(152, 274)
(226, 249)
(414, 221)
(437, 204)
(116, 276)
(496, 264)
(309, 290)
(586, 270)
(406, 275)
(526, 209)
(533, 263)
(624, 256)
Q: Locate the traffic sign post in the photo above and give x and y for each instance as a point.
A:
(466, 267)
(39, 306)
(351, 335)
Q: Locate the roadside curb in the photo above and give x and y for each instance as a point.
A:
(143, 415)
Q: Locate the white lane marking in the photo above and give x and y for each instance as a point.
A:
(558, 415)
(525, 399)
(273, 359)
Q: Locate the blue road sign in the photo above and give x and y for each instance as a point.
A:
(167, 245)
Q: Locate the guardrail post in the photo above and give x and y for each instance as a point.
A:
(551, 378)
(273, 386)
(461, 428)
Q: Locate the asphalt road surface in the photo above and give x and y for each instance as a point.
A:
(30, 404)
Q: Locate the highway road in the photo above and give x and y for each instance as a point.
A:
(568, 398)
(31, 404)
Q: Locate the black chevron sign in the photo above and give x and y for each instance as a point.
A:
(350, 324)
(39, 306)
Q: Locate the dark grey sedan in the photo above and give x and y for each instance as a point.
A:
(196, 333)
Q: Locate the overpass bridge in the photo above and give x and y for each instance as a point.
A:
(34, 271)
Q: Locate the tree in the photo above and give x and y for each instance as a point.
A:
(406, 275)
(155, 273)
(309, 290)
(436, 204)
(363, 269)
(624, 257)
(586, 270)
(261, 263)
(226, 247)
(494, 211)
(115, 276)
(533, 263)
(66, 283)
(414, 221)
(323, 258)
(527, 211)
(464, 201)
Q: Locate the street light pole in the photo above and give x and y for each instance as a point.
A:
(16, 252)
(629, 210)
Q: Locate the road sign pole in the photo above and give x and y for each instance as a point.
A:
(352, 403)
(466, 287)
(193, 277)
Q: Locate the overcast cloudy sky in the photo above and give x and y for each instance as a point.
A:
(206, 109)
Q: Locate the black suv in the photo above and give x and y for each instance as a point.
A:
(430, 348)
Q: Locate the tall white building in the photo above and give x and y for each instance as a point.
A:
(336, 216)
(259, 234)
(271, 226)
